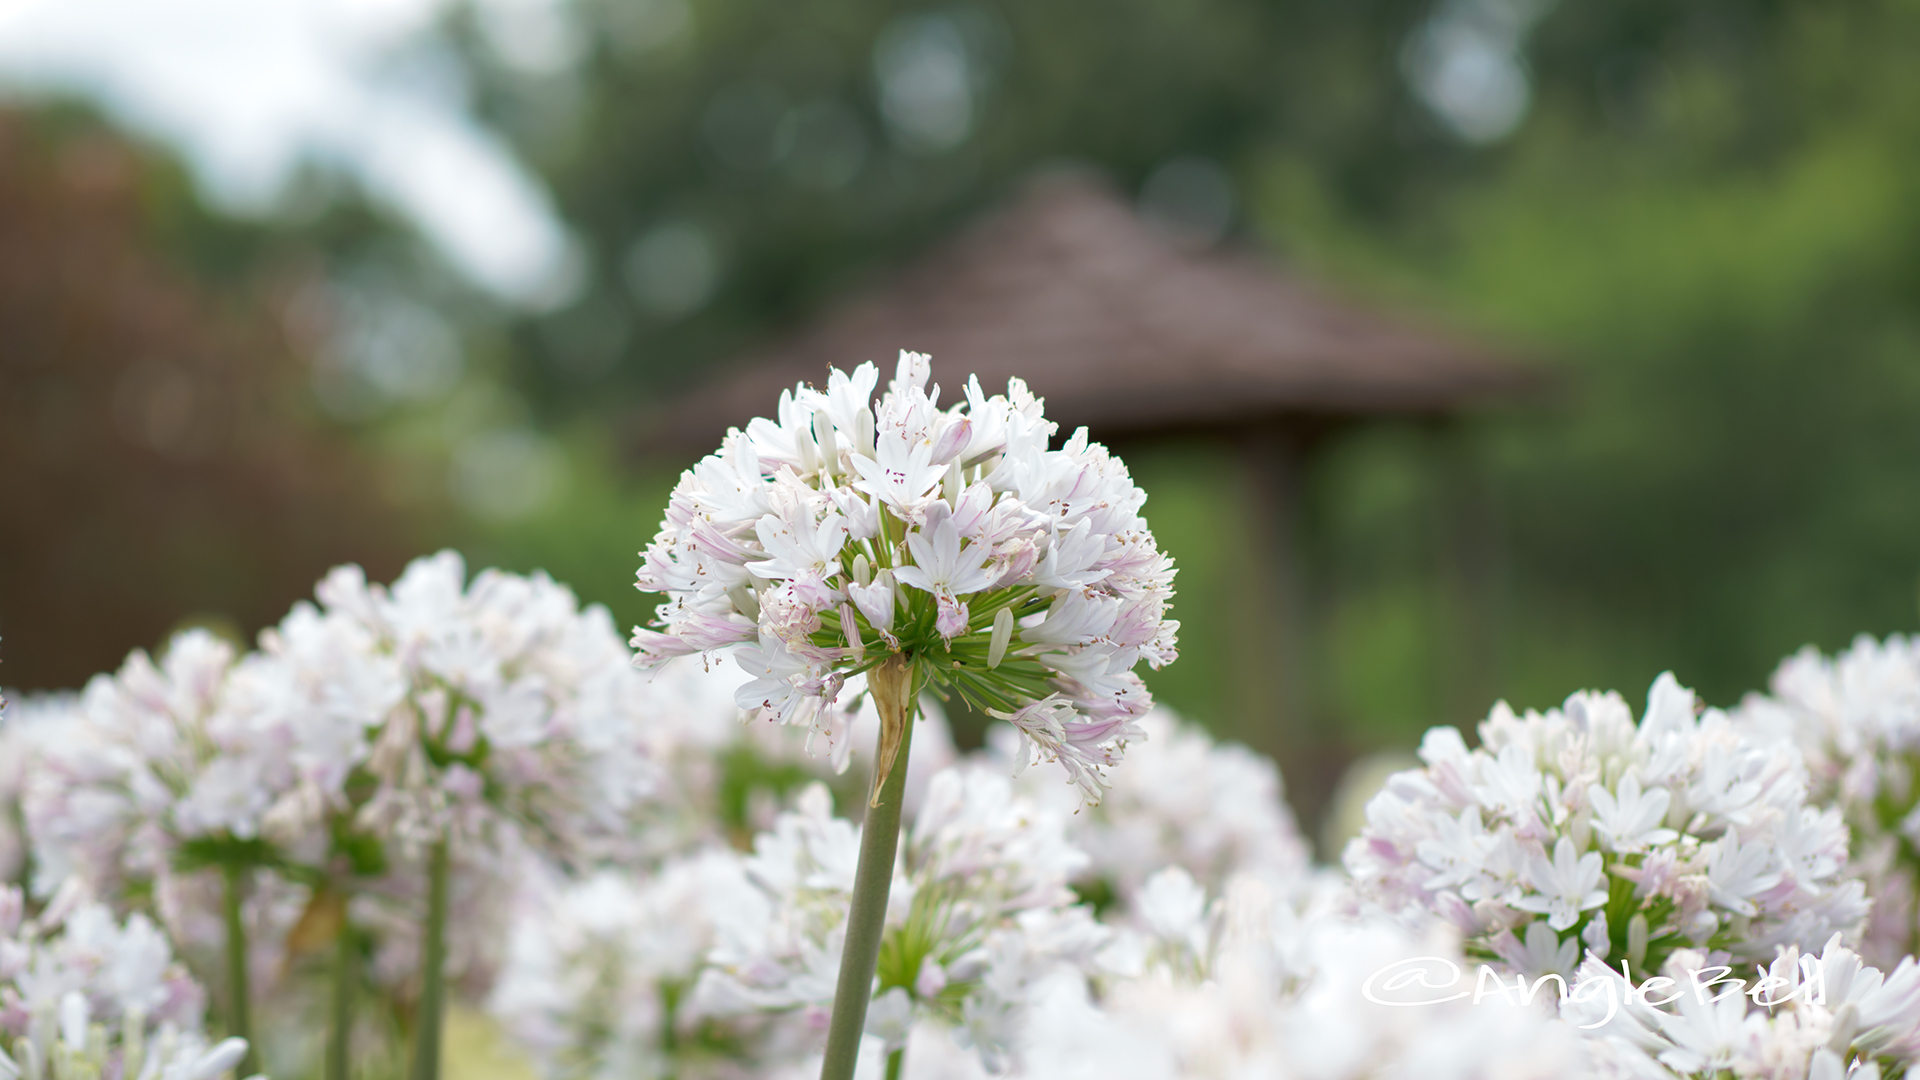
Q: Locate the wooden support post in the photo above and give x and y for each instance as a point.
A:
(1276, 692)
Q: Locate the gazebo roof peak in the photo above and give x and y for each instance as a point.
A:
(1119, 327)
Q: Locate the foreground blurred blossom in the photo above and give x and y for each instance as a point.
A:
(1258, 986)
(1812, 1017)
(1856, 718)
(83, 997)
(1579, 830)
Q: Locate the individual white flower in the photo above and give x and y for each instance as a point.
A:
(847, 534)
(1564, 887)
(1631, 821)
(1631, 839)
(980, 913)
(1856, 718)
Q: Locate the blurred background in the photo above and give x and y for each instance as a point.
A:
(286, 284)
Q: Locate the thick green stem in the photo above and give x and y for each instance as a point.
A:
(896, 1061)
(346, 969)
(892, 687)
(239, 994)
(433, 973)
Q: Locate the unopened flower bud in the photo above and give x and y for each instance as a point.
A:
(823, 433)
(862, 571)
(1002, 635)
(950, 484)
(851, 627)
(809, 455)
(744, 600)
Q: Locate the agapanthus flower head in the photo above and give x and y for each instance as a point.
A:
(1579, 830)
(159, 762)
(845, 534)
(1856, 719)
(84, 996)
(980, 912)
(156, 773)
(465, 707)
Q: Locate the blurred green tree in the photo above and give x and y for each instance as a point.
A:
(1702, 211)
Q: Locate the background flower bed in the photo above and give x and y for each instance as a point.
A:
(1176, 929)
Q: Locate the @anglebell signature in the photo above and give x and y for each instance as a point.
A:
(1415, 981)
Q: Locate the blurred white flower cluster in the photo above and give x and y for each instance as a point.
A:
(721, 962)
(1251, 984)
(1183, 800)
(844, 532)
(1578, 831)
(273, 800)
(86, 997)
(464, 710)
(146, 761)
(1856, 719)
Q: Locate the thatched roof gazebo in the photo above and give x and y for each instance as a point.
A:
(1126, 330)
(1120, 328)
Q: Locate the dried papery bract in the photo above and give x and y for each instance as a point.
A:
(892, 687)
(917, 548)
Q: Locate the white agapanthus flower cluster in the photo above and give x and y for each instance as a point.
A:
(464, 708)
(980, 912)
(1578, 830)
(1856, 719)
(1824, 1016)
(842, 533)
(1214, 809)
(148, 761)
(157, 773)
(85, 997)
